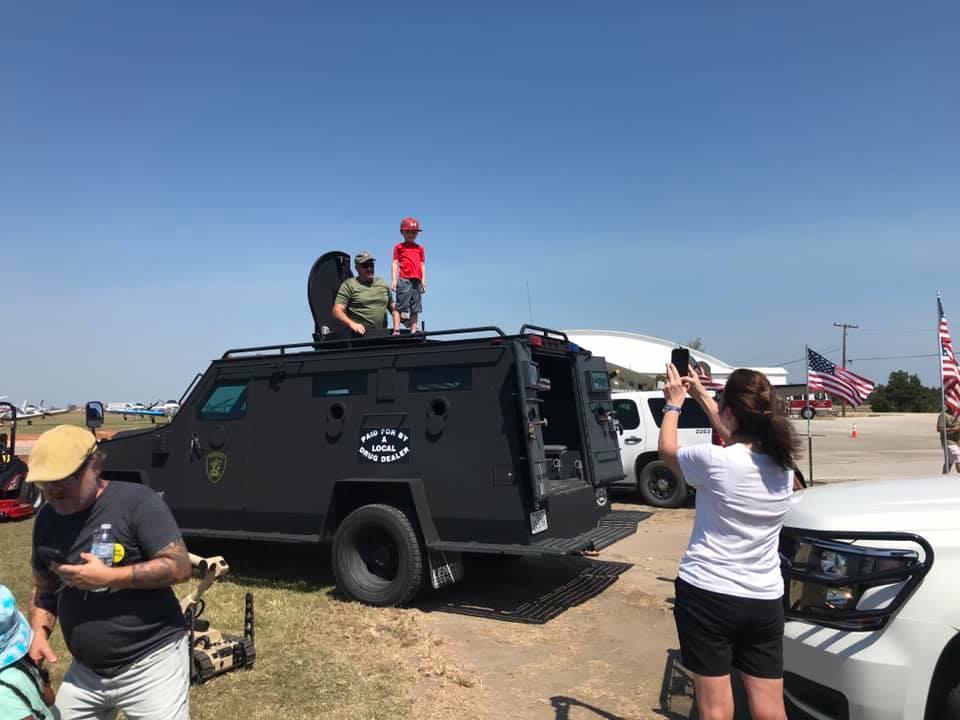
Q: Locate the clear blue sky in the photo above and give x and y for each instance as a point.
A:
(748, 174)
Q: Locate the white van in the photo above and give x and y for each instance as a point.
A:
(639, 413)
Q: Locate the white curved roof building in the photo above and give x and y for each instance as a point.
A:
(644, 357)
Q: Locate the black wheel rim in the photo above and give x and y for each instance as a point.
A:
(375, 557)
(662, 484)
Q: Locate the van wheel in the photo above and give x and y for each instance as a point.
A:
(659, 487)
(377, 556)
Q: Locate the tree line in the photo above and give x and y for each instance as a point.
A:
(904, 392)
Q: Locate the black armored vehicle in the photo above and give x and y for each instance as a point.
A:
(404, 451)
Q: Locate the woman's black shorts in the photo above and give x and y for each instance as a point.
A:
(719, 632)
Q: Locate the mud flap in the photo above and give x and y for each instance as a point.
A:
(446, 567)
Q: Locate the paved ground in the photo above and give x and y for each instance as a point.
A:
(886, 446)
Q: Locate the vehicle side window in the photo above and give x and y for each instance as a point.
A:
(692, 415)
(627, 414)
(227, 401)
(441, 379)
(340, 384)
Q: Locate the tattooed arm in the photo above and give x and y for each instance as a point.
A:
(171, 565)
(43, 615)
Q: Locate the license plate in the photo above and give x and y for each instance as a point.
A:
(538, 521)
(446, 568)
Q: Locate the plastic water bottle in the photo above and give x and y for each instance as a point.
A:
(103, 547)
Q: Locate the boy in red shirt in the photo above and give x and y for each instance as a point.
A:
(409, 272)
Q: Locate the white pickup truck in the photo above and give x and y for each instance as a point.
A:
(872, 573)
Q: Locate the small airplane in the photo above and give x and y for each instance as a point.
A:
(29, 411)
(153, 411)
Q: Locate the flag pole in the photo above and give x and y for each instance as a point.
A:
(806, 361)
(943, 390)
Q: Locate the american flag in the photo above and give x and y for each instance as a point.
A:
(951, 373)
(826, 376)
(705, 379)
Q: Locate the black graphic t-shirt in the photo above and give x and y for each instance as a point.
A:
(108, 631)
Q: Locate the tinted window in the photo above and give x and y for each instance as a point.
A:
(440, 379)
(340, 384)
(692, 416)
(627, 413)
(225, 402)
(599, 381)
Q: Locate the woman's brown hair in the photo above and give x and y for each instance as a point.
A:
(759, 414)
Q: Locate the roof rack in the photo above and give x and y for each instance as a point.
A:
(337, 341)
(546, 332)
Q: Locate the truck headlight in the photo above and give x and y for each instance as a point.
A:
(831, 581)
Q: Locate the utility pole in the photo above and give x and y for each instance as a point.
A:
(843, 405)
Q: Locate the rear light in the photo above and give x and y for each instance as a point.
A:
(535, 341)
(716, 438)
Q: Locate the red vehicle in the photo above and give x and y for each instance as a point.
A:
(819, 403)
(18, 498)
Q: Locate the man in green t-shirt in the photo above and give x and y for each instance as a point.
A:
(362, 301)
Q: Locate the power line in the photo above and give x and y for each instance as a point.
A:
(803, 359)
(893, 357)
(900, 332)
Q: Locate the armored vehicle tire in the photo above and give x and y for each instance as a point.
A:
(659, 487)
(378, 558)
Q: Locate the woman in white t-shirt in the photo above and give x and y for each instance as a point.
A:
(729, 590)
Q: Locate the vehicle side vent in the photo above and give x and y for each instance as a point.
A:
(819, 697)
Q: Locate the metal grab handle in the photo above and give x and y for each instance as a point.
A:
(632, 440)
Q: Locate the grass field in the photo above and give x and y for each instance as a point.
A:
(111, 422)
(317, 656)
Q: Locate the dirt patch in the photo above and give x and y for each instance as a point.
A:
(570, 638)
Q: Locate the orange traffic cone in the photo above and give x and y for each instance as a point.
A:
(853, 433)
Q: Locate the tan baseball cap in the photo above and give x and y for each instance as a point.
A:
(59, 453)
(363, 256)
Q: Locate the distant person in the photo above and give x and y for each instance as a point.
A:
(729, 590)
(409, 272)
(24, 693)
(121, 622)
(953, 440)
(362, 301)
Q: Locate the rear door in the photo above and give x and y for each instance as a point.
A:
(694, 425)
(602, 442)
(632, 437)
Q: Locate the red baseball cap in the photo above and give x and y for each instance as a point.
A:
(409, 223)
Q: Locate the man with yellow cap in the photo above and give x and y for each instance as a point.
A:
(121, 622)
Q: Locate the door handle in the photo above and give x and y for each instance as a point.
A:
(631, 440)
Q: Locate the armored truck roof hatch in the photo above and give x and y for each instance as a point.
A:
(404, 452)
